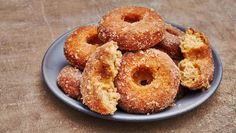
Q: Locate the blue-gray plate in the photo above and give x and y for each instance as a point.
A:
(54, 61)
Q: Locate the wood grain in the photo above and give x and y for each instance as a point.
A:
(27, 28)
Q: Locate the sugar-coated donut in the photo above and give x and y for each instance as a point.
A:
(133, 28)
(147, 81)
(80, 45)
(69, 81)
(197, 67)
(97, 87)
(170, 43)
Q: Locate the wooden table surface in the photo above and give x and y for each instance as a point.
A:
(27, 29)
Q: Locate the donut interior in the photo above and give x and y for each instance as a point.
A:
(189, 73)
(191, 41)
(106, 86)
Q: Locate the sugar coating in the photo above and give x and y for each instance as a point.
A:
(97, 87)
(145, 33)
(157, 95)
(76, 48)
(69, 81)
(170, 43)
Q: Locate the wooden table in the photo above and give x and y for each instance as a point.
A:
(27, 29)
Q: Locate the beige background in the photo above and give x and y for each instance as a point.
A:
(27, 29)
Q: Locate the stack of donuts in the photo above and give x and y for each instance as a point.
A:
(134, 60)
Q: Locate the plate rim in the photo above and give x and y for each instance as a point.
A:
(111, 117)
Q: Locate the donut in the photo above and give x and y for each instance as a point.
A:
(133, 28)
(97, 87)
(147, 81)
(170, 43)
(80, 45)
(197, 67)
(69, 81)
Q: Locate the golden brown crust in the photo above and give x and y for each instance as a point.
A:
(173, 30)
(159, 72)
(206, 66)
(170, 43)
(134, 28)
(97, 88)
(198, 59)
(80, 45)
(69, 81)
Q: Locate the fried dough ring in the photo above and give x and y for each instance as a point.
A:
(69, 81)
(147, 81)
(170, 43)
(97, 87)
(197, 67)
(133, 28)
(80, 45)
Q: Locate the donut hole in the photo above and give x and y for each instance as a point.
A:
(143, 76)
(132, 18)
(144, 82)
(94, 40)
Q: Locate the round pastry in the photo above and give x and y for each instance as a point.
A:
(197, 67)
(170, 43)
(69, 81)
(97, 87)
(80, 45)
(147, 81)
(133, 28)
